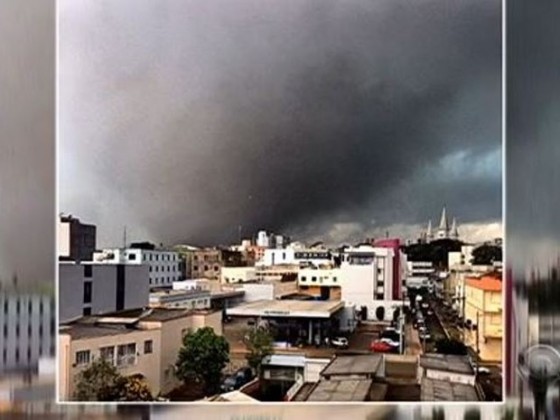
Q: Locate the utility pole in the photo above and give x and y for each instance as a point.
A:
(477, 343)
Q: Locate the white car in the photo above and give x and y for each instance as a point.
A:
(390, 342)
(340, 342)
(483, 371)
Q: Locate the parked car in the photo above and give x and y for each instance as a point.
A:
(236, 380)
(340, 342)
(392, 343)
(483, 371)
(380, 347)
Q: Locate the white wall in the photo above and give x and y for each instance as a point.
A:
(313, 368)
(450, 376)
(63, 243)
(238, 274)
(163, 266)
(258, 291)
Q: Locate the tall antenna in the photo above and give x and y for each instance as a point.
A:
(239, 233)
(124, 238)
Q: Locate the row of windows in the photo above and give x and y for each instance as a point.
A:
(314, 279)
(155, 257)
(124, 355)
(29, 356)
(206, 268)
(164, 280)
(207, 258)
(169, 268)
(30, 330)
(29, 306)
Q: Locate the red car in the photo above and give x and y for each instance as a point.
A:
(380, 347)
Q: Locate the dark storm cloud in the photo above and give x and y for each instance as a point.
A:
(533, 149)
(27, 105)
(186, 120)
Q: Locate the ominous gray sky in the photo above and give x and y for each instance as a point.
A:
(319, 118)
(533, 149)
(27, 141)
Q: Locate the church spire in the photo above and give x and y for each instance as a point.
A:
(443, 221)
(454, 232)
(429, 235)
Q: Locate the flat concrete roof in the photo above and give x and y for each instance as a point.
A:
(340, 391)
(436, 390)
(363, 364)
(287, 308)
(447, 363)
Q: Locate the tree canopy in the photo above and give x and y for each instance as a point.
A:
(202, 358)
(101, 381)
(435, 252)
(486, 254)
(259, 343)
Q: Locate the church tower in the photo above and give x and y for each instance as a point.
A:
(454, 234)
(443, 229)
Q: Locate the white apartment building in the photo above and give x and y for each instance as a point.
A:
(460, 258)
(27, 334)
(295, 256)
(363, 280)
(163, 265)
(96, 288)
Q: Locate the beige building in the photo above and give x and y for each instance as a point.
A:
(139, 341)
(484, 307)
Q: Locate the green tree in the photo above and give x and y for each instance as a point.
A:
(259, 344)
(486, 254)
(202, 359)
(133, 388)
(98, 382)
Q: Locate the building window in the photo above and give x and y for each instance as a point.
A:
(216, 268)
(205, 268)
(29, 307)
(87, 291)
(150, 268)
(18, 306)
(148, 347)
(107, 354)
(334, 279)
(17, 355)
(86, 311)
(82, 357)
(87, 270)
(17, 330)
(313, 278)
(5, 331)
(5, 306)
(132, 257)
(29, 330)
(195, 267)
(126, 354)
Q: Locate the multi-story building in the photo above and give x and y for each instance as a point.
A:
(27, 334)
(294, 256)
(163, 265)
(399, 265)
(461, 258)
(484, 309)
(184, 299)
(94, 288)
(363, 280)
(138, 342)
(238, 274)
(76, 240)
